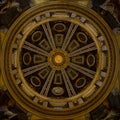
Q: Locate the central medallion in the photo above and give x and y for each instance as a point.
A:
(58, 59)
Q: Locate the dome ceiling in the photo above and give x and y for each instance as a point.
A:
(59, 60)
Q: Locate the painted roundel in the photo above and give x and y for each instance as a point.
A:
(59, 60)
